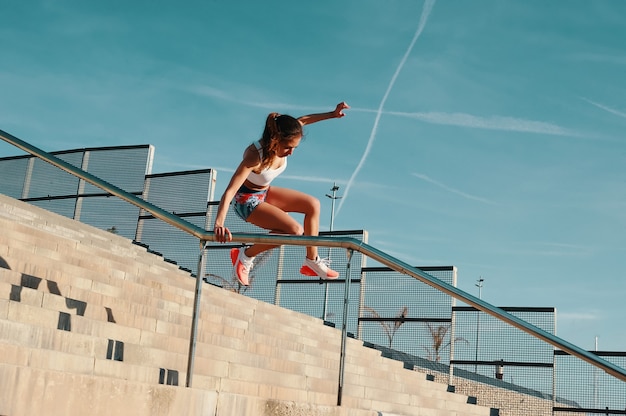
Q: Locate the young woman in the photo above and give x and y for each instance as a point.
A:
(268, 206)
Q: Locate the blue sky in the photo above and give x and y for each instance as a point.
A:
(488, 135)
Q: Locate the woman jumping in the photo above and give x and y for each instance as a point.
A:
(268, 206)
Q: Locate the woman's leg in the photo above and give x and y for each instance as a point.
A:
(273, 215)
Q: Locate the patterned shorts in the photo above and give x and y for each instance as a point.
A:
(246, 200)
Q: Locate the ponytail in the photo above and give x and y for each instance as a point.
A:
(278, 127)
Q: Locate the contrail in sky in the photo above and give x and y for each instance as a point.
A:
(605, 108)
(428, 5)
(449, 189)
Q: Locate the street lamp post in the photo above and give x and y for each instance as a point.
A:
(333, 197)
(479, 285)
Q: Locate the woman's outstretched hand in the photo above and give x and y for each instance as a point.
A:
(338, 113)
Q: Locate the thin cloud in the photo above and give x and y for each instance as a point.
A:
(552, 249)
(605, 108)
(489, 123)
(211, 92)
(317, 179)
(504, 123)
(428, 5)
(452, 190)
(546, 249)
(578, 316)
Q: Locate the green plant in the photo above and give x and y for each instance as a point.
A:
(390, 328)
(438, 341)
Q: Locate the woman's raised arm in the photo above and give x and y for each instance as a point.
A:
(314, 118)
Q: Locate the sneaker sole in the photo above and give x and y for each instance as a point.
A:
(234, 255)
(307, 271)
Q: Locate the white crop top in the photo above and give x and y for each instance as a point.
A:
(267, 175)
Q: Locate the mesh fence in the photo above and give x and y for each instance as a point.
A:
(496, 350)
(47, 180)
(401, 313)
(587, 388)
(13, 169)
(184, 194)
(108, 213)
(42, 184)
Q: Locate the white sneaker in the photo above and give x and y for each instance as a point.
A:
(242, 265)
(318, 268)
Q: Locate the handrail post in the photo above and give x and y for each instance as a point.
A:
(196, 313)
(344, 329)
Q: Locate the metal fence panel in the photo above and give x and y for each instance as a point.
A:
(13, 172)
(42, 184)
(401, 313)
(497, 351)
(184, 194)
(587, 389)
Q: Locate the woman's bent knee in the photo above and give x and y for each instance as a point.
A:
(298, 230)
(313, 206)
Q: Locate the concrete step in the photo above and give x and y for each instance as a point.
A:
(235, 369)
(28, 259)
(210, 360)
(234, 306)
(34, 391)
(257, 369)
(146, 317)
(108, 246)
(318, 371)
(65, 230)
(106, 288)
(99, 396)
(114, 286)
(37, 337)
(54, 360)
(47, 349)
(95, 301)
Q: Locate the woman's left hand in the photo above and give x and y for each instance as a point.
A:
(338, 113)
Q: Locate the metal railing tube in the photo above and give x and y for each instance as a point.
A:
(344, 329)
(193, 335)
(345, 242)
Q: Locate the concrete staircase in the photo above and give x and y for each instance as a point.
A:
(93, 324)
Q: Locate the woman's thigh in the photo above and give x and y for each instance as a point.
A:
(290, 200)
(274, 219)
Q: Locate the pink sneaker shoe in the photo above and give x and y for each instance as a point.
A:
(318, 268)
(242, 265)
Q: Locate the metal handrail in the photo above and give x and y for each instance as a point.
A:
(340, 242)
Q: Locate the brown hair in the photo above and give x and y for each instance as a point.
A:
(278, 128)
